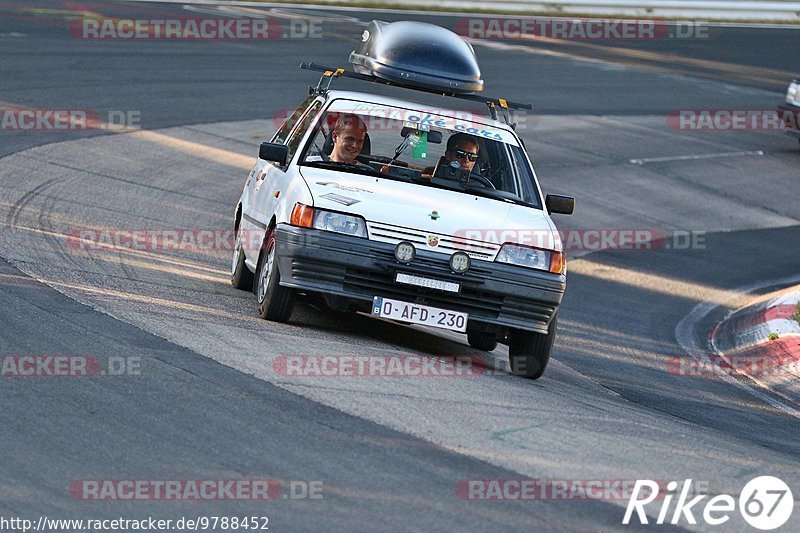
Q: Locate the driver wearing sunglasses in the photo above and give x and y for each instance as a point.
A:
(461, 148)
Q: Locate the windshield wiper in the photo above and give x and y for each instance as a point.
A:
(338, 165)
(493, 194)
(468, 188)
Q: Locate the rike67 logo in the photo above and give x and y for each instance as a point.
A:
(765, 503)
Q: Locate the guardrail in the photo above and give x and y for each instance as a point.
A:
(740, 10)
(694, 9)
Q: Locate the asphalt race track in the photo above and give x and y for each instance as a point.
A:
(207, 401)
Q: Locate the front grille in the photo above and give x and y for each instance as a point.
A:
(430, 266)
(448, 244)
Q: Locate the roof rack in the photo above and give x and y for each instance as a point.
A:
(329, 73)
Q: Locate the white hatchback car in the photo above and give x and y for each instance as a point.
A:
(359, 198)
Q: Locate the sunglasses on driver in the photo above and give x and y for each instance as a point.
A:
(461, 154)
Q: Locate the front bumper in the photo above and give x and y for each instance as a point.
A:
(791, 117)
(358, 269)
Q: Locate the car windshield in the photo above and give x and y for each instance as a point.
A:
(435, 150)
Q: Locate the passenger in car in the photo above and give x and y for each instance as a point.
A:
(348, 138)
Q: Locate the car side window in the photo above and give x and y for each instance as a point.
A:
(302, 127)
(283, 133)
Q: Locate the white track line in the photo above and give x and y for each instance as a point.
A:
(693, 157)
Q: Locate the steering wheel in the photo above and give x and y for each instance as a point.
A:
(483, 181)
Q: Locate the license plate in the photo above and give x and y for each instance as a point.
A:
(419, 314)
(419, 281)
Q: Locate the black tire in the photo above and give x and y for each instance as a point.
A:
(241, 277)
(274, 302)
(529, 352)
(482, 340)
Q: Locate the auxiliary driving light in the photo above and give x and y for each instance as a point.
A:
(459, 262)
(405, 252)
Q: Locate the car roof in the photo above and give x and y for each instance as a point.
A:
(426, 108)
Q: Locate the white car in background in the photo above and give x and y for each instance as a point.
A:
(790, 110)
(401, 233)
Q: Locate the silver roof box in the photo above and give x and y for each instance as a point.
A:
(417, 54)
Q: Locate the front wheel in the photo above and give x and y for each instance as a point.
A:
(529, 352)
(274, 302)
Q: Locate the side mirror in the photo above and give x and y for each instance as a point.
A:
(434, 137)
(555, 203)
(275, 152)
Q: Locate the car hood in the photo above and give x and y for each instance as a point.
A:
(391, 206)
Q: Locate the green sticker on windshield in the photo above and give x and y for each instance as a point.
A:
(421, 148)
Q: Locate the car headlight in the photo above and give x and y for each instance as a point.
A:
(340, 223)
(793, 94)
(309, 217)
(526, 256)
